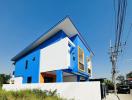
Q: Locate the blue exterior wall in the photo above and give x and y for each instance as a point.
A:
(59, 35)
(32, 68)
(77, 41)
(86, 54)
(59, 76)
(74, 54)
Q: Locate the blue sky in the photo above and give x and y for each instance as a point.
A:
(22, 21)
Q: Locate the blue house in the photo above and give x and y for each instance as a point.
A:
(59, 55)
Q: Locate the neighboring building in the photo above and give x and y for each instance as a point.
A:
(60, 55)
(129, 82)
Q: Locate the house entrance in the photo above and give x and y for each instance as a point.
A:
(47, 77)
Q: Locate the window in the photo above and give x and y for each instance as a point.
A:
(29, 79)
(26, 66)
(33, 59)
(13, 73)
(89, 70)
(89, 64)
(73, 58)
(80, 59)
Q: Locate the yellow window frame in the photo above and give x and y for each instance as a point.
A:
(83, 58)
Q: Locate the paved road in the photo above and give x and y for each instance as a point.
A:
(121, 97)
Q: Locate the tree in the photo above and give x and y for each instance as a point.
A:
(109, 84)
(4, 79)
(121, 79)
(129, 75)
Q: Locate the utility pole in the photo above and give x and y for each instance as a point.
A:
(120, 14)
(113, 59)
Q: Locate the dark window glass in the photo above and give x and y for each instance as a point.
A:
(29, 79)
(26, 66)
(13, 73)
(33, 58)
(73, 58)
(48, 79)
(89, 71)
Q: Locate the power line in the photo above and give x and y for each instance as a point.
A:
(125, 45)
(128, 35)
(119, 21)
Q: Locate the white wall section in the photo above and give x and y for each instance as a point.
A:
(16, 80)
(68, 90)
(55, 56)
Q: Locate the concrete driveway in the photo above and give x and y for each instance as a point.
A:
(121, 97)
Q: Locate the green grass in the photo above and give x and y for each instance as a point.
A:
(0, 87)
(29, 95)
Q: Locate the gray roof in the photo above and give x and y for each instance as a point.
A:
(66, 25)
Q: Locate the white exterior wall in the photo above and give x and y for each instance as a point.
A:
(55, 56)
(68, 90)
(16, 80)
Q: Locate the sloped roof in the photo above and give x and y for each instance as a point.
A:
(65, 24)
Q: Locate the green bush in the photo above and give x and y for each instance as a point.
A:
(109, 84)
(29, 95)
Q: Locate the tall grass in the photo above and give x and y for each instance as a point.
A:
(0, 86)
(29, 95)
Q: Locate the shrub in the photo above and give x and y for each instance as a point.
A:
(109, 84)
(29, 95)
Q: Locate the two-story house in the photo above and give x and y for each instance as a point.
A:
(59, 55)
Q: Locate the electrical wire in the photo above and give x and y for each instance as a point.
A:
(119, 20)
(125, 45)
(128, 35)
(121, 13)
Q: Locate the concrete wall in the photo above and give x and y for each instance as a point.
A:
(76, 90)
(131, 91)
(55, 56)
(16, 80)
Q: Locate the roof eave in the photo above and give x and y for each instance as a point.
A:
(65, 24)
